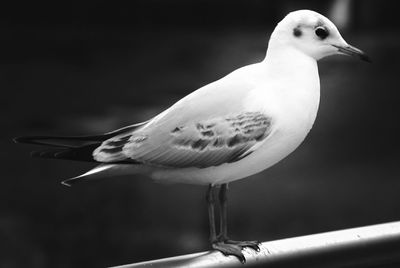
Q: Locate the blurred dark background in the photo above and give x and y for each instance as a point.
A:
(82, 69)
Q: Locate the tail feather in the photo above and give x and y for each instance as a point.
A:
(80, 148)
(74, 141)
(99, 172)
(83, 153)
(66, 142)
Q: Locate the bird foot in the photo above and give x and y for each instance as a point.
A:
(230, 249)
(245, 244)
(234, 248)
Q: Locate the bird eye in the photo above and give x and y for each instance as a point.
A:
(321, 32)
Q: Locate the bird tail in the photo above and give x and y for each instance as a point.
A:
(81, 148)
(70, 148)
(57, 141)
(100, 172)
(78, 148)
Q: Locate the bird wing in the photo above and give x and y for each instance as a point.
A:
(206, 143)
(209, 127)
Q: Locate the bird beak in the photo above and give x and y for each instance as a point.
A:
(352, 51)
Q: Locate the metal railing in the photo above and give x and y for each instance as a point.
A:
(369, 246)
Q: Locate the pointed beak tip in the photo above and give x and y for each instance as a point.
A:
(353, 51)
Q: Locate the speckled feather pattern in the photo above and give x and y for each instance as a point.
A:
(200, 144)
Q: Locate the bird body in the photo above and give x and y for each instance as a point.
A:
(227, 130)
(278, 92)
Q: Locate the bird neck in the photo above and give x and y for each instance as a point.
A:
(287, 63)
(288, 60)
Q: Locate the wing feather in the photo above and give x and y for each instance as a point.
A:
(205, 143)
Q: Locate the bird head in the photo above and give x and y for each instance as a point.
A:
(313, 34)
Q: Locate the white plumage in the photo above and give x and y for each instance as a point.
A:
(203, 138)
(227, 130)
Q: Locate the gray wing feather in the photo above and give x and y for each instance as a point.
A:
(205, 143)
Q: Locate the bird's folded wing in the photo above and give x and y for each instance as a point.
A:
(202, 143)
(209, 127)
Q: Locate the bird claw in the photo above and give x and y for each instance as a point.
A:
(230, 249)
(234, 248)
(245, 244)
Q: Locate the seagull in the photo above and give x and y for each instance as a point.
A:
(227, 130)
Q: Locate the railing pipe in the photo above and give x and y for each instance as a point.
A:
(368, 246)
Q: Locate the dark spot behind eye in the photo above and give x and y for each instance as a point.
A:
(297, 32)
(321, 32)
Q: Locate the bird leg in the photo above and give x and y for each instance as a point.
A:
(223, 198)
(222, 242)
(211, 218)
